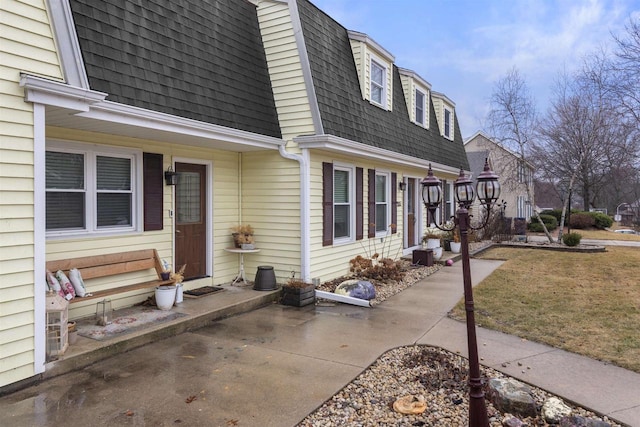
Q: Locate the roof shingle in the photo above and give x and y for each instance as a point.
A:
(200, 60)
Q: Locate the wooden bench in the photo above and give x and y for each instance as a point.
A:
(92, 267)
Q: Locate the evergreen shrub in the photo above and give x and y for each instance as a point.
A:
(572, 239)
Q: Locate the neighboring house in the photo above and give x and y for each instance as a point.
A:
(549, 196)
(271, 113)
(514, 173)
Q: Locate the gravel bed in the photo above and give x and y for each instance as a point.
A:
(384, 290)
(435, 374)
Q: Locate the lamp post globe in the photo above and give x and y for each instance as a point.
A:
(464, 190)
(431, 190)
(488, 186)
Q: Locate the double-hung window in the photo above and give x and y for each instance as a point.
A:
(383, 205)
(91, 190)
(420, 107)
(343, 204)
(378, 83)
(447, 123)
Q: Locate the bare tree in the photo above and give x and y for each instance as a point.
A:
(512, 122)
(625, 83)
(614, 81)
(576, 135)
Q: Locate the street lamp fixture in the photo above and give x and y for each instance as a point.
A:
(488, 189)
(626, 206)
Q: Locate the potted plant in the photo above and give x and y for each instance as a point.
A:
(298, 293)
(455, 244)
(432, 238)
(447, 238)
(243, 236)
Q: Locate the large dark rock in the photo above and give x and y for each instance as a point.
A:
(357, 289)
(512, 396)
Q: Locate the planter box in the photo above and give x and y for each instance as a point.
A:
(298, 297)
(423, 257)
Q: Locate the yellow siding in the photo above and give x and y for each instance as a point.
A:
(271, 191)
(439, 110)
(357, 48)
(409, 92)
(285, 68)
(329, 262)
(26, 45)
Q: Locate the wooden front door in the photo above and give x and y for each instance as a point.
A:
(412, 215)
(191, 219)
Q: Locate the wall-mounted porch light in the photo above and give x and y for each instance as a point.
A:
(170, 176)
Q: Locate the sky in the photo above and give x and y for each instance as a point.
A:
(463, 47)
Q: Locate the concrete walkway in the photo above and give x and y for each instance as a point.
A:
(274, 365)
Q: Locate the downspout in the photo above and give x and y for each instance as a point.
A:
(305, 222)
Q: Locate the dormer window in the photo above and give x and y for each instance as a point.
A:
(417, 96)
(375, 67)
(420, 107)
(445, 114)
(378, 83)
(447, 123)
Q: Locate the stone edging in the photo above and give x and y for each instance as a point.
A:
(545, 246)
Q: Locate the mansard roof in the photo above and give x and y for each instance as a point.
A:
(345, 114)
(200, 60)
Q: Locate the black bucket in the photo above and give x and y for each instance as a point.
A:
(265, 279)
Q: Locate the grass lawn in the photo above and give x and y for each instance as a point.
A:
(585, 303)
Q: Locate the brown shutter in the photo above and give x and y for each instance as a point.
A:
(327, 204)
(394, 203)
(372, 203)
(153, 189)
(359, 204)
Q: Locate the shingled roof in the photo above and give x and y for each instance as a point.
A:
(345, 114)
(202, 60)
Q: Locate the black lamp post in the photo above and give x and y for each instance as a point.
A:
(488, 189)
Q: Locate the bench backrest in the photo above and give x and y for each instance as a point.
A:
(111, 264)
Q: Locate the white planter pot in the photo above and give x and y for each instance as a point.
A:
(437, 253)
(165, 297)
(455, 247)
(433, 243)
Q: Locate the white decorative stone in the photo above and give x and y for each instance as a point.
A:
(554, 409)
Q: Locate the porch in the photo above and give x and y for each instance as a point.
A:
(194, 313)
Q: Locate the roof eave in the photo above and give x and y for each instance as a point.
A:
(88, 104)
(357, 149)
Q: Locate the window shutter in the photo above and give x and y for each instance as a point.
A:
(359, 204)
(372, 203)
(327, 204)
(394, 203)
(153, 191)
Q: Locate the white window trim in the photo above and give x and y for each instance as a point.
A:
(352, 204)
(385, 81)
(386, 174)
(444, 119)
(91, 151)
(425, 121)
(523, 209)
